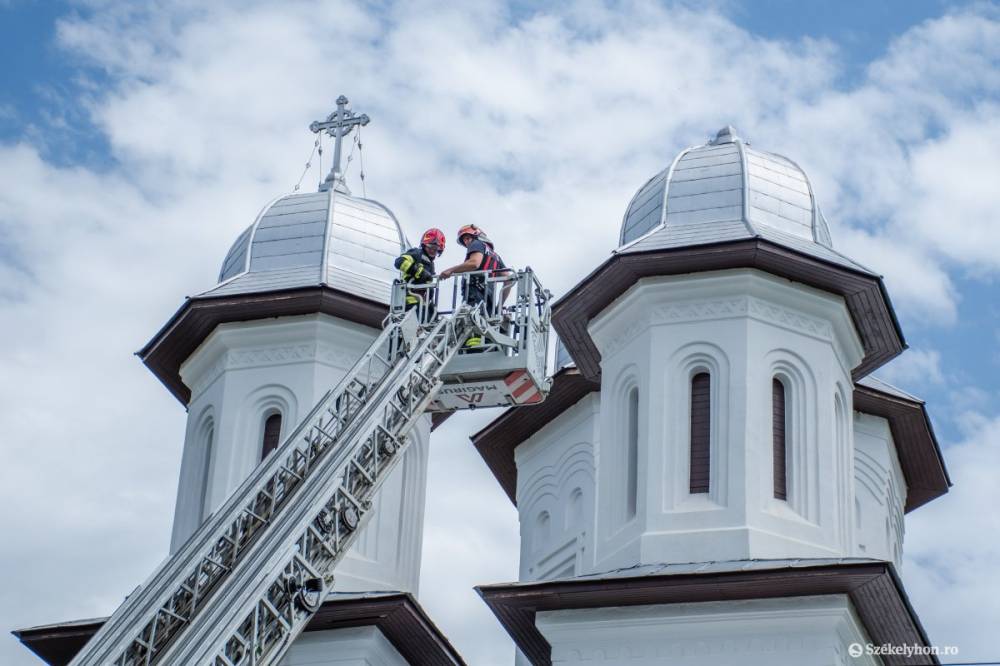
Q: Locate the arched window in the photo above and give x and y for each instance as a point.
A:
(272, 435)
(632, 454)
(208, 442)
(701, 431)
(778, 434)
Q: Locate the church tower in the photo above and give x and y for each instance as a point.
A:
(301, 295)
(715, 477)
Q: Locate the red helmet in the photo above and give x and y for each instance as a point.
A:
(433, 237)
(469, 230)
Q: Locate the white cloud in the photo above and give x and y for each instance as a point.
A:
(540, 130)
(916, 368)
(952, 552)
(955, 210)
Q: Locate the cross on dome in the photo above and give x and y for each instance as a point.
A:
(338, 125)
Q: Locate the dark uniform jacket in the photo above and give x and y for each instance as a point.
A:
(491, 262)
(415, 266)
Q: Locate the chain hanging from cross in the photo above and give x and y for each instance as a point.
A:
(338, 125)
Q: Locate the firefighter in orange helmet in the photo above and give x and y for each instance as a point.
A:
(479, 256)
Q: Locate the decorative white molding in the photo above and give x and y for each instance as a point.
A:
(726, 308)
(724, 295)
(262, 357)
(790, 319)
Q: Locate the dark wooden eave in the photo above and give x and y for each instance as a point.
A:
(198, 317)
(865, 294)
(57, 644)
(397, 615)
(873, 588)
(916, 446)
(400, 619)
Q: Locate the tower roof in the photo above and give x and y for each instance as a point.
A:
(328, 252)
(725, 190)
(325, 238)
(721, 206)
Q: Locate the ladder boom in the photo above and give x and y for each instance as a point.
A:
(159, 615)
(255, 619)
(250, 578)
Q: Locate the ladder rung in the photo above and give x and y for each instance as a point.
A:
(353, 500)
(364, 472)
(278, 615)
(254, 515)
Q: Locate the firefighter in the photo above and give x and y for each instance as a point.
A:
(479, 256)
(416, 266)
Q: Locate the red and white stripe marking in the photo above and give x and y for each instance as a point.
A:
(522, 388)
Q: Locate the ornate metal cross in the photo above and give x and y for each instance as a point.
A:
(338, 125)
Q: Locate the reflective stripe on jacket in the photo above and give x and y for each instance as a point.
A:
(415, 266)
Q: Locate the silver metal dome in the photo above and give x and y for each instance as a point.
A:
(726, 191)
(326, 238)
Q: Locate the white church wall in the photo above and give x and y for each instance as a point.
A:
(246, 371)
(796, 631)
(354, 646)
(555, 494)
(192, 504)
(744, 328)
(880, 491)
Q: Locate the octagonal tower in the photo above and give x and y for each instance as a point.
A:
(715, 477)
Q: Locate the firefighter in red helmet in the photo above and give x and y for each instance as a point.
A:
(416, 267)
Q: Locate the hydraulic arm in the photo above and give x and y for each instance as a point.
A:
(249, 579)
(293, 519)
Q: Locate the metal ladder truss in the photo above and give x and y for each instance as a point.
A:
(209, 603)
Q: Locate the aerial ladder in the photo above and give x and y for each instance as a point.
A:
(248, 581)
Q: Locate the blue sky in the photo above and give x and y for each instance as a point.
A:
(39, 103)
(136, 144)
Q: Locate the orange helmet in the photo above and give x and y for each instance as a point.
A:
(433, 237)
(469, 230)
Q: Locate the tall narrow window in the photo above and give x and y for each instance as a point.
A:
(701, 431)
(778, 433)
(632, 455)
(272, 435)
(206, 469)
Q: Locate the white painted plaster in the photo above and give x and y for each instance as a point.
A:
(555, 494)
(355, 646)
(245, 371)
(797, 631)
(744, 328)
(880, 491)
